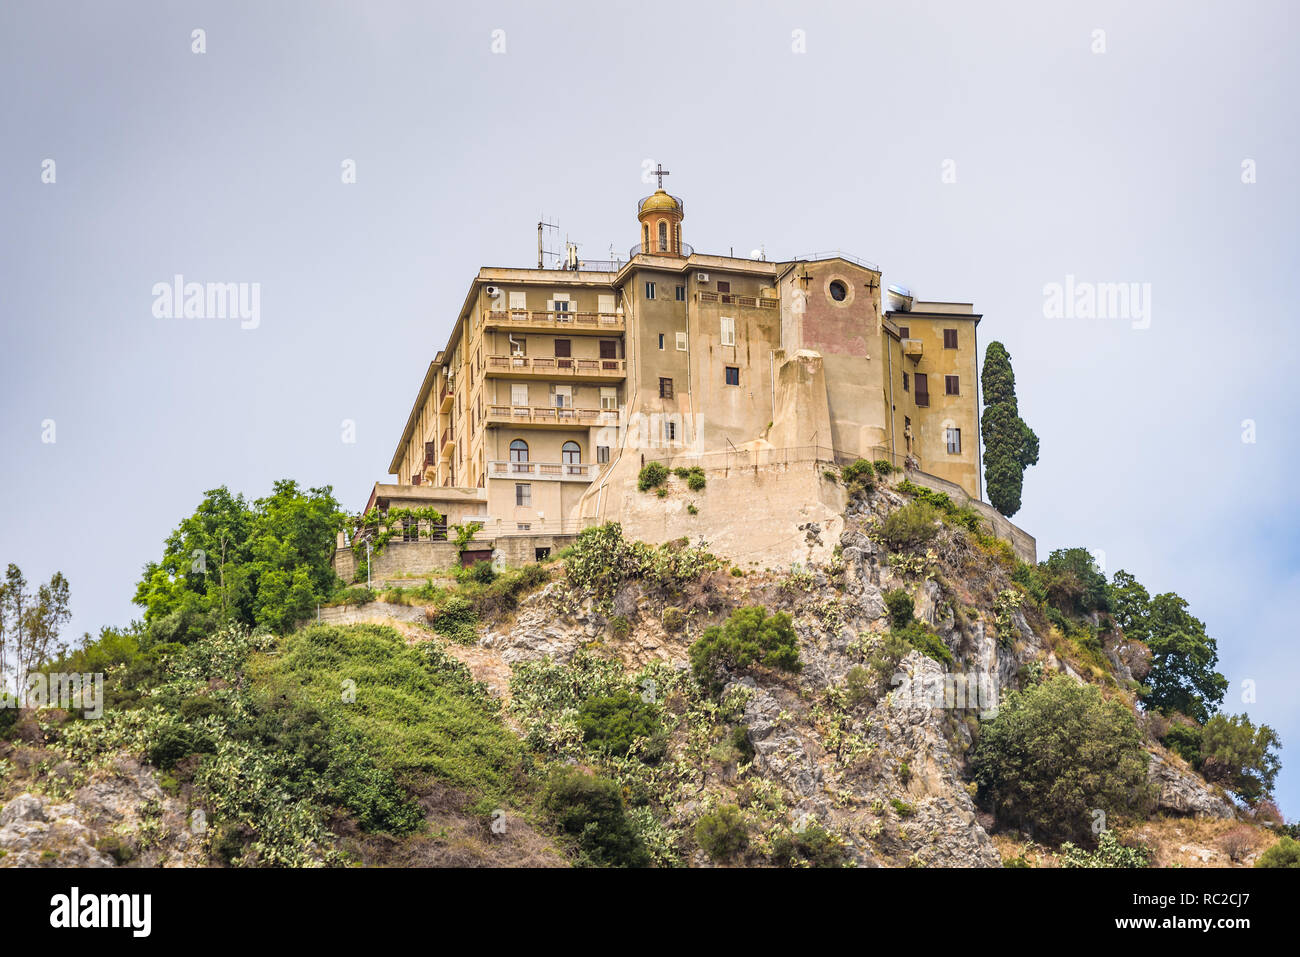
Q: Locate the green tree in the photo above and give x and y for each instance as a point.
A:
(1284, 853)
(1010, 446)
(1183, 657)
(1056, 753)
(1240, 756)
(230, 562)
(1073, 582)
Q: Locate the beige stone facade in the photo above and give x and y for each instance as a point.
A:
(556, 385)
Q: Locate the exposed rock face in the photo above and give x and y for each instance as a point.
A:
(122, 810)
(1182, 792)
(36, 834)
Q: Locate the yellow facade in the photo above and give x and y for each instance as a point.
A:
(551, 376)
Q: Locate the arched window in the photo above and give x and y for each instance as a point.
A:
(518, 451)
(663, 235)
(571, 453)
(645, 238)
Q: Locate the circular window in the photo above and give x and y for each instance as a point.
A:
(838, 290)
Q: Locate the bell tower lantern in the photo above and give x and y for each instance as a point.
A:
(660, 216)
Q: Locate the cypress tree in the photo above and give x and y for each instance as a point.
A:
(1010, 446)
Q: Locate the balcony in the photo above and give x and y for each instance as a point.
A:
(730, 299)
(446, 444)
(912, 348)
(567, 418)
(557, 367)
(445, 397)
(542, 471)
(549, 321)
(657, 249)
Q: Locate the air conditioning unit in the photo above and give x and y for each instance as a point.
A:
(701, 277)
(493, 291)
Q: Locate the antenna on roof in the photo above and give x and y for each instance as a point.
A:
(540, 224)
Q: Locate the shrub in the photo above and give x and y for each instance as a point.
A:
(693, 477)
(722, 832)
(858, 476)
(480, 573)
(1238, 843)
(1056, 752)
(1109, 853)
(811, 843)
(902, 808)
(652, 475)
(919, 636)
(590, 808)
(860, 686)
(901, 607)
(907, 527)
(884, 467)
(177, 742)
(8, 716)
(1185, 741)
(674, 619)
(620, 627)
(455, 619)
(613, 722)
(748, 637)
(692, 509)
(1284, 853)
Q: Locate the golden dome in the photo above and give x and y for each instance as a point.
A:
(659, 201)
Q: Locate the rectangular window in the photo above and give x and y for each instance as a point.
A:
(563, 396)
(523, 494)
(681, 342)
(950, 338)
(679, 293)
(518, 302)
(661, 341)
(954, 441)
(560, 304)
(608, 398)
(952, 385)
(602, 454)
(649, 290)
(922, 389)
(907, 379)
(523, 526)
(605, 303)
(518, 394)
(665, 388)
(904, 332)
(563, 348)
(670, 431)
(733, 375)
(728, 330)
(608, 349)
(724, 286)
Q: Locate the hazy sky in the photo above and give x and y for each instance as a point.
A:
(976, 151)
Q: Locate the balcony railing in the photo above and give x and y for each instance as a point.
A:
(730, 299)
(602, 321)
(445, 445)
(912, 348)
(543, 471)
(543, 415)
(660, 249)
(444, 397)
(557, 366)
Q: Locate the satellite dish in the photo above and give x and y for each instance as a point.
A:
(756, 254)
